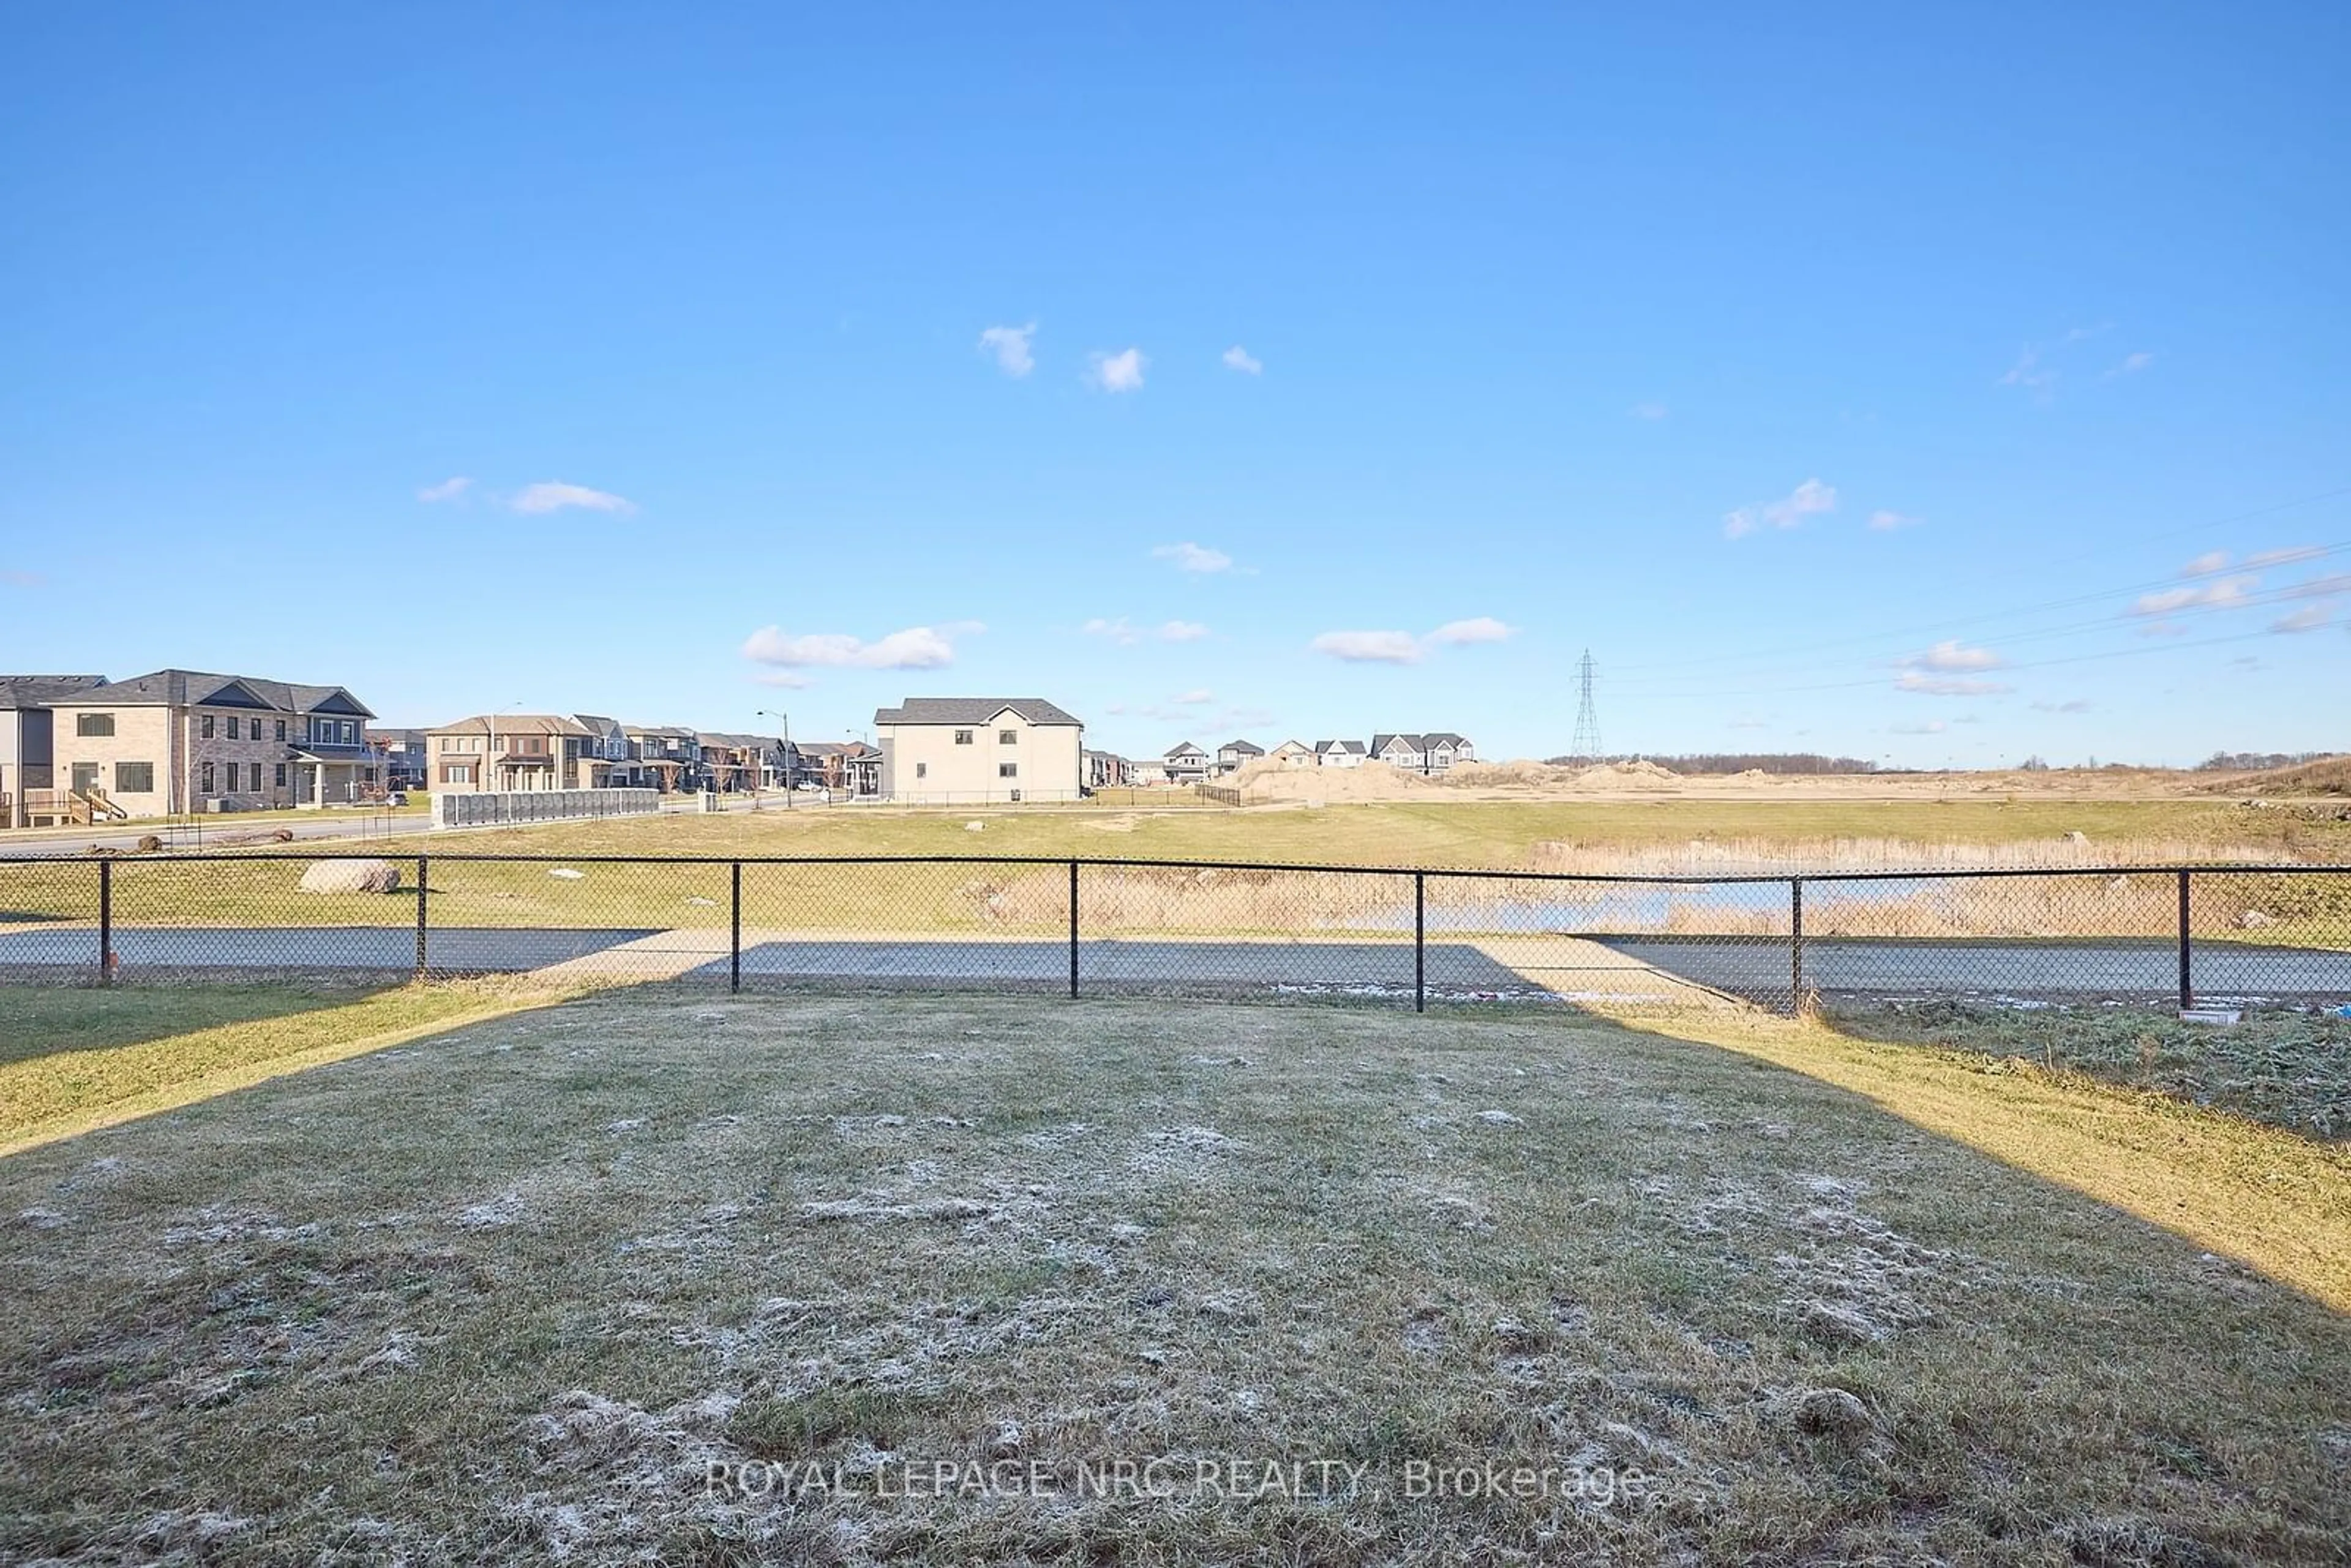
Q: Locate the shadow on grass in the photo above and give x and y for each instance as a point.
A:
(44, 1020)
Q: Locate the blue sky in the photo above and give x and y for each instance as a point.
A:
(1909, 383)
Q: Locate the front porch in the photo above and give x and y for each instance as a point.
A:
(320, 779)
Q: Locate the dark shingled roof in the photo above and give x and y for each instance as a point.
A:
(183, 689)
(32, 691)
(972, 710)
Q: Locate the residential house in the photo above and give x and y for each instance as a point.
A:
(183, 740)
(733, 764)
(1107, 770)
(1235, 755)
(1440, 749)
(842, 766)
(1400, 751)
(1185, 764)
(27, 740)
(1148, 772)
(514, 751)
(1292, 754)
(608, 743)
(865, 769)
(1339, 753)
(667, 757)
(952, 750)
(406, 756)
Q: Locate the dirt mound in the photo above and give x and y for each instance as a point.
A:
(1265, 781)
(2330, 777)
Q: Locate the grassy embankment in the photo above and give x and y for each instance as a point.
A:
(1516, 835)
(517, 1291)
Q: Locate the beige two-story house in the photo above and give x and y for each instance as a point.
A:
(182, 740)
(979, 750)
(510, 751)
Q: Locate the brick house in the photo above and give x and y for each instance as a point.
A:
(182, 740)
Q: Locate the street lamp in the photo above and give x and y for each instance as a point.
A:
(786, 719)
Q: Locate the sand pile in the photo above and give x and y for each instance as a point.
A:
(1265, 781)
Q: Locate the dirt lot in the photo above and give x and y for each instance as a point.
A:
(509, 1294)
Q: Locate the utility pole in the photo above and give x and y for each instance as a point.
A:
(786, 720)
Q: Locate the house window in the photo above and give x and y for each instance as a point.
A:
(255, 771)
(351, 732)
(281, 776)
(208, 776)
(921, 770)
(1008, 737)
(93, 724)
(204, 727)
(1008, 770)
(231, 726)
(456, 773)
(963, 737)
(134, 778)
(281, 729)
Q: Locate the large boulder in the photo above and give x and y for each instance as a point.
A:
(351, 876)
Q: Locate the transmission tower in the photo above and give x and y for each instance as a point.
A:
(1586, 747)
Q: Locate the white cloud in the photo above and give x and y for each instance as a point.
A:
(1806, 500)
(1403, 647)
(1932, 727)
(2075, 706)
(449, 489)
(2220, 593)
(1886, 522)
(2318, 586)
(1648, 411)
(2286, 557)
(2207, 563)
(1239, 359)
(1126, 634)
(2132, 364)
(1193, 697)
(1119, 373)
(1011, 345)
(1189, 557)
(2029, 373)
(791, 680)
(1370, 647)
(1477, 629)
(915, 648)
(554, 496)
(1949, 687)
(1952, 657)
(2309, 618)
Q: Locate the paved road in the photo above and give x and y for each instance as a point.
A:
(1560, 967)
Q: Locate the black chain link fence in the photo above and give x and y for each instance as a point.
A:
(2235, 936)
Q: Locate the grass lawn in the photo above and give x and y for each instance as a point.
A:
(1746, 1290)
(72, 1059)
(2290, 1069)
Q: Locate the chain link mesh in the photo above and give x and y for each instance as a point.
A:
(2229, 937)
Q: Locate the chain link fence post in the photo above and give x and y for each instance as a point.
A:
(1420, 941)
(105, 921)
(422, 866)
(1073, 929)
(2187, 990)
(1795, 945)
(734, 929)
